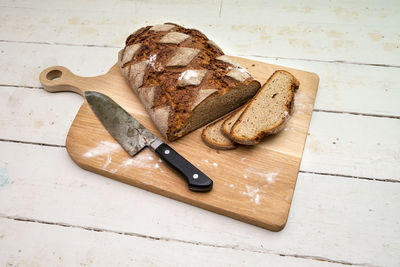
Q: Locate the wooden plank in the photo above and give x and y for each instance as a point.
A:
(27, 243)
(328, 214)
(290, 29)
(340, 84)
(85, 61)
(350, 87)
(373, 140)
(353, 145)
(33, 115)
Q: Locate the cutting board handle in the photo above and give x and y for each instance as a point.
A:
(61, 79)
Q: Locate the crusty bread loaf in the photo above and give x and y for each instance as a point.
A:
(268, 111)
(182, 78)
(214, 138)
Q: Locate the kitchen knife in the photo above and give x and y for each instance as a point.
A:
(133, 137)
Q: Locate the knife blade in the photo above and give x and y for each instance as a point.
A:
(133, 137)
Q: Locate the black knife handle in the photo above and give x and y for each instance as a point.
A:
(197, 181)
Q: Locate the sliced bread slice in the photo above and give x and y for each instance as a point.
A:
(268, 111)
(227, 124)
(213, 137)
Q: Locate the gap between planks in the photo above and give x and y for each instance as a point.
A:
(325, 61)
(240, 55)
(314, 110)
(388, 180)
(22, 86)
(58, 43)
(205, 244)
(351, 176)
(357, 113)
(31, 143)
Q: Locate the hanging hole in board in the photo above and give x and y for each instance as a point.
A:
(54, 75)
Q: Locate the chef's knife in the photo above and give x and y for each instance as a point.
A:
(133, 137)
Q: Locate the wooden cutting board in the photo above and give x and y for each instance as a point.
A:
(254, 184)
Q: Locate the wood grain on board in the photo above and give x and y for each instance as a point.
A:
(251, 184)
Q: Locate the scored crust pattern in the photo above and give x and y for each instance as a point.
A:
(173, 69)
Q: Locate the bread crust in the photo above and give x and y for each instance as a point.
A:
(213, 144)
(288, 107)
(192, 73)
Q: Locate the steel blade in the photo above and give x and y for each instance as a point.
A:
(131, 135)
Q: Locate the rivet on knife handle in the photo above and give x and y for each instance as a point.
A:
(197, 181)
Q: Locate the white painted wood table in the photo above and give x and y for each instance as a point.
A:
(346, 206)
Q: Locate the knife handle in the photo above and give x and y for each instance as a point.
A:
(197, 181)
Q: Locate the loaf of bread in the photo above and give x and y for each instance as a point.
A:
(183, 79)
(267, 112)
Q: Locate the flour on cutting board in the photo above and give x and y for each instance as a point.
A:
(302, 103)
(263, 180)
(287, 129)
(230, 185)
(143, 161)
(107, 162)
(207, 161)
(270, 177)
(104, 147)
(252, 193)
